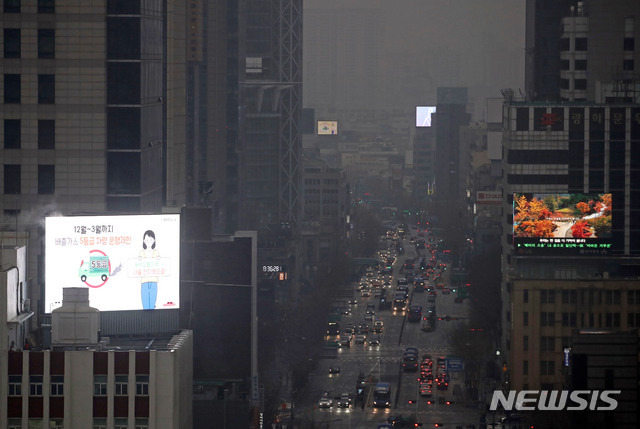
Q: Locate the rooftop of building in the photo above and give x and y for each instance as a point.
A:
(161, 342)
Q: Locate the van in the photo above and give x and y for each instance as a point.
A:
(97, 266)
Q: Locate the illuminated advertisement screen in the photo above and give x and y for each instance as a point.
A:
(327, 128)
(423, 115)
(579, 223)
(126, 262)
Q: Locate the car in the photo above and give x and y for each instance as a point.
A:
(425, 390)
(345, 341)
(361, 338)
(446, 291)
(374, 340)
(344, 401)
(334, 370)
(353, 301)
(325, 401)
(366, 292)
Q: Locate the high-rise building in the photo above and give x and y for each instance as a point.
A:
(270, 99)
(92, 114)
(581, 50)
(571, 235)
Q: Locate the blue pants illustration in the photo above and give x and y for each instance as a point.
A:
(149, 294)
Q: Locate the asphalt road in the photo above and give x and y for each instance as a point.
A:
(384, 363)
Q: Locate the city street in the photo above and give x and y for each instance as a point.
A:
(447, 408)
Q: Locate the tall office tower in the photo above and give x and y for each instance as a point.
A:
(270, 111)
(212, 113)
(85, 121)
(581, 50)
(571, 240)
(451, 114)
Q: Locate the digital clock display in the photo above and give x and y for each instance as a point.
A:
(272, 268)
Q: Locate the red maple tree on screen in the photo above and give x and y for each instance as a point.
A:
(532, 219)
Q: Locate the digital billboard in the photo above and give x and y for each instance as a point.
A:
(327, 128)
(423, 115)
(573, 223)
(127, 262)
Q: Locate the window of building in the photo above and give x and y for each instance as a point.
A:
(612, 297)
(46, 179)
(522, 119)
(12, 134)
(99, 385)
(142, 423)
(46, 134)
(633, 297)
(142, 385)
(547, 318)
(525, 296)
(581, 44)
(46, 43)
(525, 367)
(591, 320)
(46, 6)
(547, 367)
(15, 385)
(525, 318)
(569, 319)
(11, 6)
(99, 423)
(629, 44)
(12, 180)
(57, 385)
(120, 424)
(612, 320)
(565, 44)
(14, 424)
(12, 88)
(547, 344)
(56, 424)
(633, 320)
(628, 65)
(566, 342)
(525, 343)
(12, 41)
(46, 89)
(569, 296)
(580, 65)
(547, 296)
(580, 84)
(35, 385)
(565, 64)
(121, 385)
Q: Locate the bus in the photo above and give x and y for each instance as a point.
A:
(382, 395)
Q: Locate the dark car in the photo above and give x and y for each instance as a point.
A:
(334, 370)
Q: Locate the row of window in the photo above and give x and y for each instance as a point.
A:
(547, 344)
(587, 297)
(13, 180)
(13, 90)
(13, 134)
(13, 43)
(98, 423)
(44, 6)
(580, 44)
(320, 181)
(547, 367)
(99, 385)
(587, 320)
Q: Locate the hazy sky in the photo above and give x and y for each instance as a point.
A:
(396, 53)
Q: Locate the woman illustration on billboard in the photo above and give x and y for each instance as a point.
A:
(149, 287)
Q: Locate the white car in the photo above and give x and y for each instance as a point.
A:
(325, 402)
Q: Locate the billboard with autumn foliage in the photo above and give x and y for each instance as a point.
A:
(562, 221)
